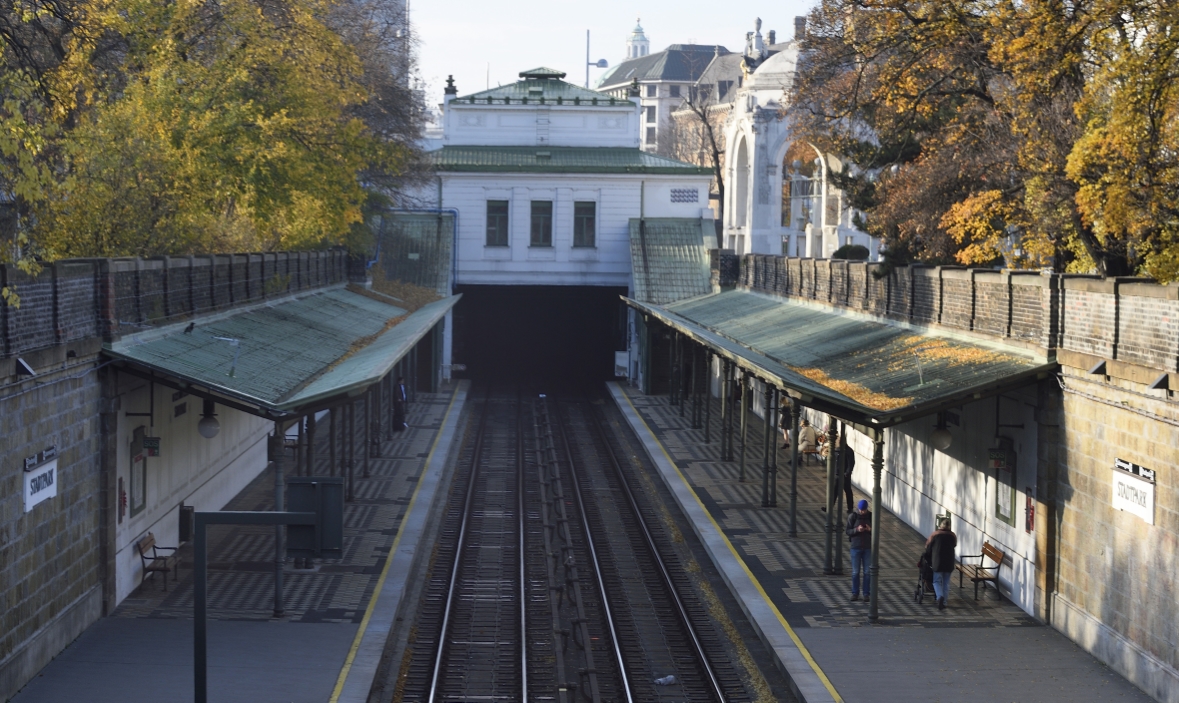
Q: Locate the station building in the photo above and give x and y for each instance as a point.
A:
(134, 391)
(548, 186)
(1036, 410)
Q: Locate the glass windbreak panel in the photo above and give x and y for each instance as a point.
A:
(542, 223)
(584, 223)
(497, 223)
(413, 253)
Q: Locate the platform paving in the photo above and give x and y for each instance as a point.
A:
(328, 642)
(985, 650)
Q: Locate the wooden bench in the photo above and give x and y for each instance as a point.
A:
(154, 561)
(980, 573)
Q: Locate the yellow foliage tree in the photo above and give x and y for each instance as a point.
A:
(135, 127)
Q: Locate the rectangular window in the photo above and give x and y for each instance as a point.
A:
(584, 217)
(652, 91)
(650, 135)
(650, 114)
(542, 223)
(497, 223)
(675, 91)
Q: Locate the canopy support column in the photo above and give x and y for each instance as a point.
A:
(278, 452)
(707, 396)
(744, 420)
(832, 443)
(767, 442)
(775, 401)
(877, 469)
(726, 417)
(843, 510)
(795, 414)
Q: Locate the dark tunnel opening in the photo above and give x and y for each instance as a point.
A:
(543, 336)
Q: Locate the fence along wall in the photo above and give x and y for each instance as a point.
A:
(56, 560)
(1105, 577)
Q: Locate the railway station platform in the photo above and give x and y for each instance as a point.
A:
(985, 650)
(328, 643)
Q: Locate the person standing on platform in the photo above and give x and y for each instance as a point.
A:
(939, 549)
(849, 459)
(399, 399)
(859, 531)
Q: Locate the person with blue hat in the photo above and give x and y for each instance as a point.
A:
(859, 531)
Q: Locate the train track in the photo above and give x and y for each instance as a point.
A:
(553, 580)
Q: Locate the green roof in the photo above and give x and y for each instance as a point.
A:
(542, 72)
(284, 355)
(532, 159)
(669, 258)
(540, 87)
(851, 365)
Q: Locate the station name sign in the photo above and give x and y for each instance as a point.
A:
(40, 482)
(1133, 490)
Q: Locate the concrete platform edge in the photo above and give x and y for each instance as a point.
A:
(806, 678)
(360, 668)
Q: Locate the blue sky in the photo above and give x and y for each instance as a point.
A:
(474, 39)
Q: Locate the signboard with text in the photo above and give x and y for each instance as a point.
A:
(1133, 490)
(40, 477)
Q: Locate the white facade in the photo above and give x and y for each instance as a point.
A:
(618, 198)
(774, 206)
(480, 124)
(205, 473)
(601, 144)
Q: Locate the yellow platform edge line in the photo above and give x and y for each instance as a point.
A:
(372, 602)
(806, 654)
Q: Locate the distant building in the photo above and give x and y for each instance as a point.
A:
(779, 196)
(663, 79)
(547, 182)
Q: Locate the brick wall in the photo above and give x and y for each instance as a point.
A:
(49, 556)
(926, 295)
(1148, 325)
(991, 302)
(62, 304)
(1113, 565)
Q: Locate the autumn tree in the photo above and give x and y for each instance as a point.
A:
(987, 132)
(699, 135)
(140, 127)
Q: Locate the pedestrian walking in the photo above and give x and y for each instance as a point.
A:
(939, 550)
(859, 532)
(399, 400)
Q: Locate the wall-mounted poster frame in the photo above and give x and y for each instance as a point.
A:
(1002, 462)
(138, 482)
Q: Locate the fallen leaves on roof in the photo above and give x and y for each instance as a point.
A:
(852, 390)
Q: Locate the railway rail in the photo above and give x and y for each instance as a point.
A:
(553, 579)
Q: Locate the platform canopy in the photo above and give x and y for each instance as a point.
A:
(283, 357)
(854, 366)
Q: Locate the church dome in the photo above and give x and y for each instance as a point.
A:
(777, 71)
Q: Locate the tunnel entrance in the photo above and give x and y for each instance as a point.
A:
(541, 335)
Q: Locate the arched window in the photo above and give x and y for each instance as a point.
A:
(741, 196)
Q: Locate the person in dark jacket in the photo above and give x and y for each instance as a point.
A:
(859, 531)
(849, 459)
(399, 399)
(939, 549)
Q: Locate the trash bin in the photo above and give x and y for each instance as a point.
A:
(187, 522)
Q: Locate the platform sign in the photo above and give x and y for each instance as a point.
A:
(151, 445)
(1133, 490)
(40, 477)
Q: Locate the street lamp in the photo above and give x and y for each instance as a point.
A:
(600, 63)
